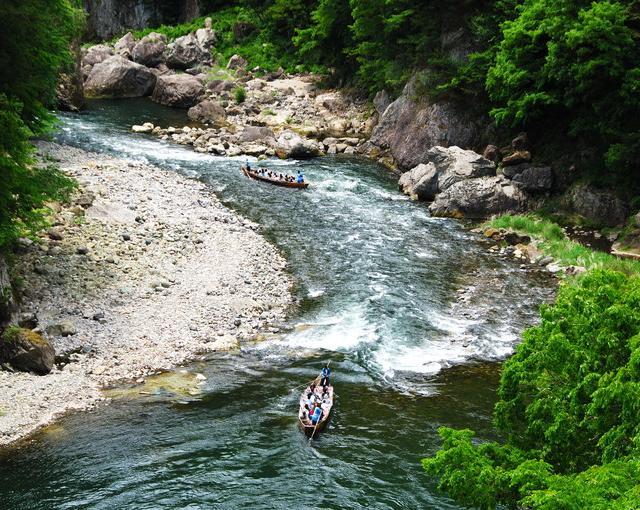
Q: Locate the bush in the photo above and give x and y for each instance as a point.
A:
(569, 406)
(240, 94)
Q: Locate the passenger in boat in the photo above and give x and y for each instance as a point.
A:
(300, 177)
(317, 415)
(325, 393)
(326, 372)
(304, 415)
(247, 165)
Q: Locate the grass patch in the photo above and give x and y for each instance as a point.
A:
(553, 242)
(239, 94)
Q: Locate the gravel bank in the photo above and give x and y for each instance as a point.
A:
(142, 272)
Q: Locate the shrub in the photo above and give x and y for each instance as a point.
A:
(240, 94)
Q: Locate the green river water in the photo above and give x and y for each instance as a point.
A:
(378, 280)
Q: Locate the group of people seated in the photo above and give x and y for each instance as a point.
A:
(275, 175)
(317, 396)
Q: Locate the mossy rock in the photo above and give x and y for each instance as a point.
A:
(26, 350)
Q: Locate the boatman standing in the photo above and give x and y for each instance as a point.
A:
(326, 372)
(300, 177)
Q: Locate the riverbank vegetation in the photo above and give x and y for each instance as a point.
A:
(568, 410)
(553, 241)
(567, 72)
(31, 56)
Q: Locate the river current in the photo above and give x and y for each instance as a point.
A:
(412, 311)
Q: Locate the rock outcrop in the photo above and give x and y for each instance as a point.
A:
(599, 206)
(532, 179)
(186, 52)
(6, 293)
(119, 77)
(292, 145)
(479, 198)
(70, 87)
(124, 46)
(208, 112)
(108, 18)
(179, 90)
(27, 351)
(444, 167)
(410, 127)
(96, 54)
(149, 51)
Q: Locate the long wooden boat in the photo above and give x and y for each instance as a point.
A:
(309, 429)
(277, 182)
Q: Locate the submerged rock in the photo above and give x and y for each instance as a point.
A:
(119, 77)
(27, 351)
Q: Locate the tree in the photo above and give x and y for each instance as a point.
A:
(34, 45)
(569, 407)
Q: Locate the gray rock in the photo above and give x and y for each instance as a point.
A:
(119, 77)
(381, 101)
(520, 142)
(479, 198)
(7, 303)
(535, 179)
(149, 51)
(26, 350)
(292, 145)
(185, 52)
(96, 54)
(599, 206)
(492, 153)
(28, 320)
(55, 233)
(237, 62)
(421, 182)
(208, 111)
(62, 328)
(206, 38)
(455, 164)
(410, 127)
(179, 90)
(124, 46)
(254, 133)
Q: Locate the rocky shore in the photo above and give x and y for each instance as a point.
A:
(141, 272)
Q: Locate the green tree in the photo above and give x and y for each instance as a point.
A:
(34, 45)
(569, 407)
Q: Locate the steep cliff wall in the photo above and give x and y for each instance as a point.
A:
(107, 18)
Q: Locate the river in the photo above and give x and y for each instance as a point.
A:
(412, 311)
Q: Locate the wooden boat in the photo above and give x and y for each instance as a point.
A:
(313, 430)
(287, 184)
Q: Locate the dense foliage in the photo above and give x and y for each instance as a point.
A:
(34, 44)
(569, 408)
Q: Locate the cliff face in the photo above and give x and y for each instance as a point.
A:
(108, 18)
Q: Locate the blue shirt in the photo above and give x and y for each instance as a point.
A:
(316, 415)
(326, 372)
(300, 178)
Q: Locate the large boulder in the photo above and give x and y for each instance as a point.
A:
(149, 51)
(255, 133)
(421, 182)
(445, 166)
(119, 77)
(206, 38)
(599, 206)
(26, 350)
(96, 54)
(185, 52)
(479, 198)
(534, 179)
(124, 45)
(208, 111)
(410, 126)
(180, 90)
(292, 145)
